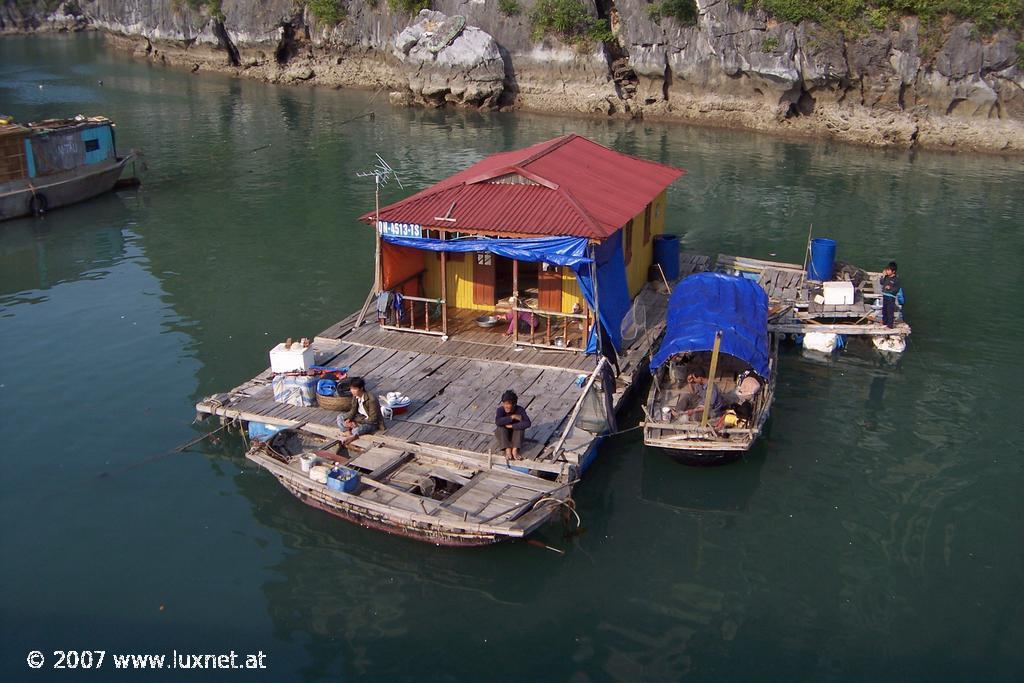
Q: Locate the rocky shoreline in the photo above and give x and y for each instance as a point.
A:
(826, 95)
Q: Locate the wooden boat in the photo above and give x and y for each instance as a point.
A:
(552, 242)
(430, 493)
(717, 325)
(56, 162)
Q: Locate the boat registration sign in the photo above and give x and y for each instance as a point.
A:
(401, 229)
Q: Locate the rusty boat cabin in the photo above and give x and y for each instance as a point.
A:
(516, 273)
(56, 162)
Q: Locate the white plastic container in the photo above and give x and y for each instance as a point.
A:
(294, 359)
(318, 473)
(307, 460)
(838, 293)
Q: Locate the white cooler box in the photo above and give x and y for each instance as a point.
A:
(295, 390)
(838, 293)
(294, 359)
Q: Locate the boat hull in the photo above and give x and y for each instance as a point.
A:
(369, 520)
(708, 458)
(60, 189)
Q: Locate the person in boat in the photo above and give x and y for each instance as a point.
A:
(890, 293)
(740, 404)
(364, 417)
(511, 423)
(690, 406)
(747, 388)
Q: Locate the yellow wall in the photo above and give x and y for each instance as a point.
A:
(571, 291)
(460, 281)
(643, 252)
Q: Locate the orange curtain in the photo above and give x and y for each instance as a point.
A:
(400, 266)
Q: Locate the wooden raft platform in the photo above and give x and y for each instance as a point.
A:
(454, 385)
(791, 296)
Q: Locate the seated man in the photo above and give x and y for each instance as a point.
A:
(690, 406)
(363, 417)
(511, 423)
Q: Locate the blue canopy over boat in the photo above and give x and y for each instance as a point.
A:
(705, 303)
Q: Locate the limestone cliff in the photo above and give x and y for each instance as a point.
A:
(730, 67)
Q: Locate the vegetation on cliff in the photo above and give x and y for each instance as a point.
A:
(989, 15)
(410, 6)
(328, 12)
(570, 21)
(683, 11)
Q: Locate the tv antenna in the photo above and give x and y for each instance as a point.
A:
(382, 174)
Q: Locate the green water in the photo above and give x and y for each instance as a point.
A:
(875, 534)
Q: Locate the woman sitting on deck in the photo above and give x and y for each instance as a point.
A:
(363, 417)
(512, 421)
(519, 316)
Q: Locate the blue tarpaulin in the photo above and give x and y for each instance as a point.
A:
(705, 303)
(561, 251)
(612, 290)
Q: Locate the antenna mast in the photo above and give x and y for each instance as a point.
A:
(382, 173)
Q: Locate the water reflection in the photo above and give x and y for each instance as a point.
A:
(37, 254)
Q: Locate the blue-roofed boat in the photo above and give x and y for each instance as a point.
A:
(717, 327)
(56, 162)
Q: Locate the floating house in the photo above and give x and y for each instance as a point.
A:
(530, 270)
(56, 162)
(515, 236)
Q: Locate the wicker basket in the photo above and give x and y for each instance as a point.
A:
(338, 403)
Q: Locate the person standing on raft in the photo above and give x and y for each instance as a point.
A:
(890, 292)
(511, 423)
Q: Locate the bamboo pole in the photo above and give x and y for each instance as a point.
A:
(444, 295)
(807, 247)
(711, 379)
(515, 299)
(576, 409)
(376, 252)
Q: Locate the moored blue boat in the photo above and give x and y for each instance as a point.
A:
(714, 373)
(56, 162)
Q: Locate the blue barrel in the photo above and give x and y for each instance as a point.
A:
(823, 259)
(666, 255)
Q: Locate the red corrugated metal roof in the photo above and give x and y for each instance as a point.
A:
(573, 186)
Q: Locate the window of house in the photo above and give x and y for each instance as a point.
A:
(484, 258)
(647, 224)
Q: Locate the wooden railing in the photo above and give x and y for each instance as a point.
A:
(414, 311)
(545, 327)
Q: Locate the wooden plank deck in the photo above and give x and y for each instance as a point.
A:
(792, 306)
(453, 384)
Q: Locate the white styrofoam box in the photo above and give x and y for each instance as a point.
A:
(296, 390)
(838, 293)
(293, 359)
(824, 342)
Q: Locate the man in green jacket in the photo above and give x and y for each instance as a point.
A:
(363, 417)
